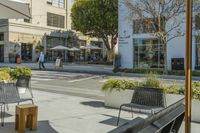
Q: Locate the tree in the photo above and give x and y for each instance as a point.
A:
(97, 18)
(163, 19)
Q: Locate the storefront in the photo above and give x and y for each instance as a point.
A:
(148, 53)
(197, 53)
(53, 42)
(26, 52)
(1, 53)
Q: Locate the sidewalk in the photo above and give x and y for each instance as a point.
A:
(91, 69)
(68, 67)
(69, 114)
(60, 113)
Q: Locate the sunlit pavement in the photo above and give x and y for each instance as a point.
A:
(69, 114)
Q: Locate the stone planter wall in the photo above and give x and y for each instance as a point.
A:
(195, 111)
(115, 98)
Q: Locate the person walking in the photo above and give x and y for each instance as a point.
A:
(41, 61)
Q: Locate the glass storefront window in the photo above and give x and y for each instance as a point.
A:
(148, 53)
(26, 52)
(197, 52)
(57, 3)
(1, 36)
(53, 42)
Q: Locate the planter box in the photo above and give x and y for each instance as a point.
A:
(195, 110)
(115, 98)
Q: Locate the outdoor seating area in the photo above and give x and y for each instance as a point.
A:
(145, 100)
(91, 115)
(10, 94)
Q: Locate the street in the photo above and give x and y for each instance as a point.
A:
(79, 84)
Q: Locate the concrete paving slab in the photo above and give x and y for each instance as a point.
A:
(69, 114)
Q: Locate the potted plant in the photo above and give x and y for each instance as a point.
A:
(20, 71)
(118, 92)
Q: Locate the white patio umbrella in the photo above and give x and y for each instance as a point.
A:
(12, 9)
(92, 47)
(74, 49)
(60, 47)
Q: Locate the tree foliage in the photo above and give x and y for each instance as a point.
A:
(96, 18)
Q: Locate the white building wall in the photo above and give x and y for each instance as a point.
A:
(125, 44)
(175, 47)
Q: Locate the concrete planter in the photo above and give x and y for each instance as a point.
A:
(195, 111)
(115, 98)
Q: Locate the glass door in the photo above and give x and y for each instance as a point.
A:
(26, 52)
(1, 53)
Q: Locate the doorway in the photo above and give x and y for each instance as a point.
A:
(1, 53)
(26, 52)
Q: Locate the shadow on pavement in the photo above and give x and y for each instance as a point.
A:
(113, 120)
(43, 127)
(95, 104)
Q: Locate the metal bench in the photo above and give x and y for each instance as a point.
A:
(167, 120)
(145, 100)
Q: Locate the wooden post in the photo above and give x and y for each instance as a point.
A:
(188, 66)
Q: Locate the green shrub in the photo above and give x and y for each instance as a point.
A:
(6, 69)
(119, 85)
(151, 81)
(173, 89)
(4, 76)
(20, 71)
(158, 71)
(196, 90)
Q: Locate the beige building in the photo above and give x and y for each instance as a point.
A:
(49, 26)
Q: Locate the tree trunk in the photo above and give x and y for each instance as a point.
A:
(165, 58)
(110, 55)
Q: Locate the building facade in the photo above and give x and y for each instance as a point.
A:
(141, 50)
(49, 26)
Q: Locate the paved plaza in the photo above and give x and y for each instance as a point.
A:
(69, 114)
(60, 113)
(72, 102)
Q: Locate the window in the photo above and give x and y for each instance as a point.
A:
(1, 36)
(26, 51)
(97, 43)
(57, 3)
(55, 20)
(148, 25)
(52, 42)
(27, 20)
(197, 22)
(148, 53)
(197, 52)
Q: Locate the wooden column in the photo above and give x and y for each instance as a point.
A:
(188, 66)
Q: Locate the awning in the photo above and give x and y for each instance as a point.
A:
(12, 9)
(74, 49)
(60, 47)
